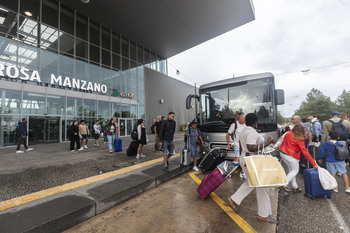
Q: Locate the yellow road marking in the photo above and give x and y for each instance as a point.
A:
(232, 214)
(75, 184)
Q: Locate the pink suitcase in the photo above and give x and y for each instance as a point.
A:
(211, 182)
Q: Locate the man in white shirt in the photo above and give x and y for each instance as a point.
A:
(235, 129)
(251, 142)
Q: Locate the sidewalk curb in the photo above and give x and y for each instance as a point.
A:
(64, 210)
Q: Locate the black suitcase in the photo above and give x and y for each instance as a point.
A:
(132, 149)
(212, 159)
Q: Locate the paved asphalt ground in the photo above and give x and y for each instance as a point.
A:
(50, 165)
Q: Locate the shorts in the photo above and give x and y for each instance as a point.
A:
(168, 148)
(333, 167)
(236, 147)
(84, 136)
(96, 136)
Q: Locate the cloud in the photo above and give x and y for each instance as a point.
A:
(285, 38)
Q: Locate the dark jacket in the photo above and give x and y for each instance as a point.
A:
(22, 129)
(108, 129)
(73, 129)
(167, 130)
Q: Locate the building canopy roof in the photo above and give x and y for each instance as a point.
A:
(168, 27)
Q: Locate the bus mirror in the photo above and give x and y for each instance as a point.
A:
(188, 100)
(279, 96)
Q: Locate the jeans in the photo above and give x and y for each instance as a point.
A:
(111, 139)
(293, 168)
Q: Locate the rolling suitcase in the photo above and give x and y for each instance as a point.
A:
(313, 187)
(132, 149)
(212, 159)
(118, 144)
(212, 181)
(185, 156)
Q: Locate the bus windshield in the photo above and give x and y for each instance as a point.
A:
(219, 105)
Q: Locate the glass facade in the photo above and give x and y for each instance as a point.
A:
(47, 44)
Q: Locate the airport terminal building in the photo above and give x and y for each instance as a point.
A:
(67, 60)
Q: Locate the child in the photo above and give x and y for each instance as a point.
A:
(333, 165)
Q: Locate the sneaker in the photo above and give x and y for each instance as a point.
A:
(29, 149)
(195, 168)
(336, 190)
(94, 145)
(110, 151)
(166, 168)
(338, 174)
(137, 156)
(347, 190)
(72, 150)
(19, 151)
(143, 156)
(81, 148)
(97, 145)
(85, 147)
(242, 175)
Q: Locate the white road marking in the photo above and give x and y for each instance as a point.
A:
(338, 217)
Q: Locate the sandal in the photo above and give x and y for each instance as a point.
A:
(267, 219)
(284, 188)
(297, 190)
(232, 205)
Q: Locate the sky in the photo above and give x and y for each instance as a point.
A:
(285, 38)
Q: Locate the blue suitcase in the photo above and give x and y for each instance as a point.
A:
(313, 187)
(118, 144)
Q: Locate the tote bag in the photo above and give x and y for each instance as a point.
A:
(264, 171)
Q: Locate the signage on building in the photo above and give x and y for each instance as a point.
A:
(33, 76)
(123, 95)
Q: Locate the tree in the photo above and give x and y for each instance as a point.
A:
(318, 104)
(344, 101)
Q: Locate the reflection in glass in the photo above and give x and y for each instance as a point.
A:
(28, 55)
(49, 38)
(82, 68)
(90, 108)
(81, 49)
(125, 63)
(66, 64)
(8, 22)
(106, 58)
(116, 61)
(10, 102)
(67, 19)
(133, 109)
(106, 75)
(94, 54)
(103, 109)
(125, 47)
(142, 111)
(126, 110)
(116, 109)
(9, 48)
(116, 43)
(48, 60)
(94, 72)
(125, 82)
(28, 31)
(94, 33)
(116, 77)
(74, 107)
(81, 26)
(9, 5)
(66, 43)
(50, 13)
(106, 38)
(33, 103)
(139, 54)
(32, 6)
(8, 129)
(56, 105)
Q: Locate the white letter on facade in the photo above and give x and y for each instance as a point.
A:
(8, 71)
(56, 80)
(24, 72)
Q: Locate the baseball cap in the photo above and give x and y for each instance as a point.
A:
(335, 113)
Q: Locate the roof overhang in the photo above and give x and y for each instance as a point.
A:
(168, 27)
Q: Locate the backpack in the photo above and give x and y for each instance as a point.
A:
(234, 132)
(152, 128)
(341, 152)
(134, 134)
(341, 129)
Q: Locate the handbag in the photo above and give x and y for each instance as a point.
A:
(279, 141)
(326, 179)
(101, 134)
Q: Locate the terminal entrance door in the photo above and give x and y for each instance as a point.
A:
(43, 129)
(125, 126)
